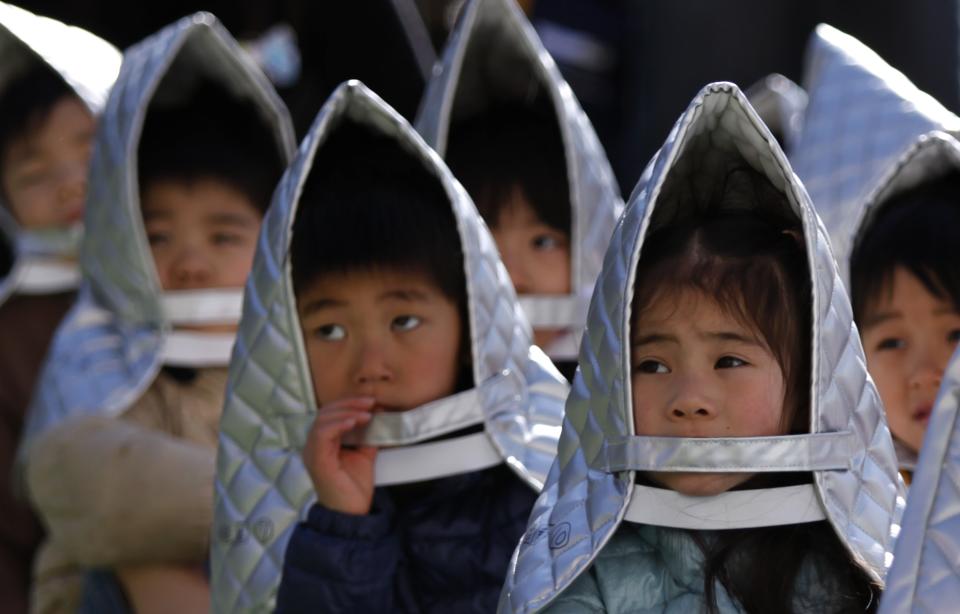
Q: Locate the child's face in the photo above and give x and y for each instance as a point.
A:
(44, 173)
(908, 336)
(536, 255)
(390, 335)
(202, 234)
(699, 372)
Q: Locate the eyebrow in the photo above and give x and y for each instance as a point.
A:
(229, 219)
(880, 318)
(712, 335)
(400, 294)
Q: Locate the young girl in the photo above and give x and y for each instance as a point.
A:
(388, 421)
(723, 449)
(528, 156)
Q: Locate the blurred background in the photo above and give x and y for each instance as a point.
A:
(634, 64)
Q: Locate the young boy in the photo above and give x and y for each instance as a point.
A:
(425, 417)
(120, 448)
(905, 286)
(55, 80)
(529, 158)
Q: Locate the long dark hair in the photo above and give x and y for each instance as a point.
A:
(751, 260)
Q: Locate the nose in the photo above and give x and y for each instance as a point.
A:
(927, 368)
(189, 270)
(692, 401)
(372, 366)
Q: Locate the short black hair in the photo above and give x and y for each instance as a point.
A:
(26, 103)
(368, 205)
(508, 147)
(919, 230)
(213, 136)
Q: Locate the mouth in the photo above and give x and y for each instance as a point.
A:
(922, 413)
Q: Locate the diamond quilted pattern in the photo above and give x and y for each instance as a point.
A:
(925, 576)
(262, 487)
(106, 352)
(861, 115)
(581, 507)
(488, 34)
(87, 63)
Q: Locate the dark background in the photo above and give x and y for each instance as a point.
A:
(662, 51)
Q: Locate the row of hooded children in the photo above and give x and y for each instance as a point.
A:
(311, 378)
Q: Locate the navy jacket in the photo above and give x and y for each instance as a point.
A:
(439, 546)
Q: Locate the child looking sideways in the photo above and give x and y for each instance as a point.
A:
(416, 419)
(687, 460)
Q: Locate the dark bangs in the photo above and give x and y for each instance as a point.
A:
(369, 205)
(918, 230)
(510, 148)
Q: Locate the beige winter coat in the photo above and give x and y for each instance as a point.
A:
(131, 491)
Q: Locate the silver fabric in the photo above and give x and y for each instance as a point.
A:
(109, 347)
(781, 104)
(209, 306)
(262, 487)
(811, 452)
(88, 64)
(492, 34)
(861, 115)
(581, 507)
(925, 576)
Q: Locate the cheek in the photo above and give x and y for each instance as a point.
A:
(326, 372)
(550, 271)
(644, 398)
(761, 403)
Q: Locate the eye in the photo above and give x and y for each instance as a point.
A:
(155, 238)
(226, 238)
(330, 332)
(545, 242)
(891, 343)
(651, 367)
(405, 323)
(729, 362)
(954, 336)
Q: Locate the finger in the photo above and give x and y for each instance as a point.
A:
(361, 403)
(338, 415)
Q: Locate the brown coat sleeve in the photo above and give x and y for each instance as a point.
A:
(115, 493)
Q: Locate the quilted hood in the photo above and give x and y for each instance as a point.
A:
(89, 66)
(469, 79)
(109, 347)
(856, 485)
(780, 103)
(262, 487)
(924, 576)
(862, 114)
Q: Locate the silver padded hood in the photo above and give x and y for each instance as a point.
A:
(86, 63)
(262, 487)
(470, 77)
(862, 114)
(107, 350)
(925, 576)
(848, 447)
(780, 103)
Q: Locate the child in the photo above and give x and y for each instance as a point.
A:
(382, 346)
(188, 153)
(905, 285)
(707, 449)
(54, 81)
(522, 147)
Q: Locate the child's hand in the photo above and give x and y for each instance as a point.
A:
(342, 477)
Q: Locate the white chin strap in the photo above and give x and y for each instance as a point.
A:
(198, 349)
(734, 509)
(36, 276)
(199, 307)
(429, 461)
